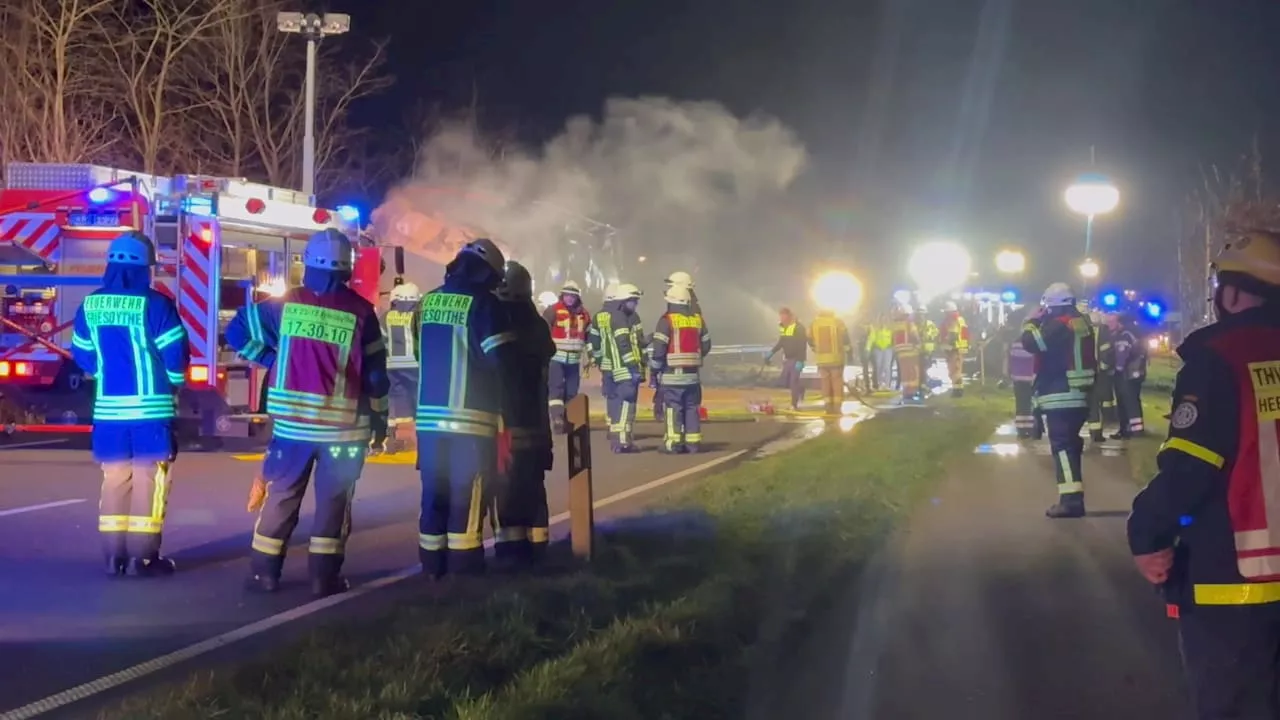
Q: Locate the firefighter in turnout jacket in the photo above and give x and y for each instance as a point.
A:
(1063, 342)
(1102, 397)
(520, 523)
(906, 346)
(466, 385)
(954, 341)
(568, 321)
(1205, 528)
(829, 339)
(1131, 372)
(327, 398)
(680, 342)
(683, 280)
(616, 345)
(1020, 368)
(400, 326)
(130, 339)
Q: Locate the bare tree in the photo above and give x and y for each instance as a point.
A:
(248, 79)
(150, 42)
(1224, 202)
(53, 106)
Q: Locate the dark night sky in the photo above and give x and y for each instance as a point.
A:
(979, 150)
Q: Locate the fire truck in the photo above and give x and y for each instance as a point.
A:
(221, 243)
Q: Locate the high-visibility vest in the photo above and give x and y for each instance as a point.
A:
(882, 338)
(830, 342)
(955, 334)
(905, 337)
(685, 349)
(401, 328)
(569, 331)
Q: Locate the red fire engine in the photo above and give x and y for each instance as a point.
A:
(221, 242)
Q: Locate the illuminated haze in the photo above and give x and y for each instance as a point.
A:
(687, 185)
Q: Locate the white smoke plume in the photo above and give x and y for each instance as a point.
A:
(678, 183)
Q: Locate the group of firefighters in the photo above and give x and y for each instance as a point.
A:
(483, 401)
(902, 338)
(1203, 529)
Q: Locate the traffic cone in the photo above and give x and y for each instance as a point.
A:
(702, 413)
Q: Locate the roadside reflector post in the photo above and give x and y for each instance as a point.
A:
(582, 521)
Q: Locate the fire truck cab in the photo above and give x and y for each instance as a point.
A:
(221, 243)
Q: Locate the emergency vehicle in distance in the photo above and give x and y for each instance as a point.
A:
(221, 243)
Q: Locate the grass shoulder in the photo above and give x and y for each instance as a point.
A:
(666, 621)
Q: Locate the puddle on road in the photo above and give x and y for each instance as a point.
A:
(999, 445)
(852, 412)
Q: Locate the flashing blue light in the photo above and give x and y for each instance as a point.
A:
(198, 205)
(100, 195)
(349, 213)
(1154, 310)
(1009, 296)
(1110, 300)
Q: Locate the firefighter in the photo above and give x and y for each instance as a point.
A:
(680, 342)
(1102, 397)
(929, 335)
(1131, 371)
(520, 521)
(464, 394)
(682, 279)
(863, 343)
(1204, 528)
(327, 398)
(829, 339)
(569, 322)
(1020, 368)
(1063, 342)
(794, 344)
(615, 345)
(954, 341)
(400, 327)
(130, 339)
(906, 348)
(882, 353)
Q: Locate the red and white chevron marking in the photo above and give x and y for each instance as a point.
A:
(194, 287)
(35, 232)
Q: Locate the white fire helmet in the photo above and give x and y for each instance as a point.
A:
(1058, 294)
(677, 295)
(406, 292)
(329, 250)
(627, 291)
(680, 278)
(571, 288)
(951, 307)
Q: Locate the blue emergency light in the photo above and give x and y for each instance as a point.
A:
(349, 213)
(1154, 310)
(100, 195)
(1009, 296)
(1110, 300)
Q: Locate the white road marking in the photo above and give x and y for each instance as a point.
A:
(141, 670)
(41, 506)
(33, 443)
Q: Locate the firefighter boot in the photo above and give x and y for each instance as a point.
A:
(116, 565)
(155, 566)
(1069, 505)
(325, 586)
(957, 392)
(1097, 436)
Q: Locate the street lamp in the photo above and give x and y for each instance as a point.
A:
(1089, 269)
(1011, 262)
(313, 27)
(938, 267)
(1091, 195)
(838, 292)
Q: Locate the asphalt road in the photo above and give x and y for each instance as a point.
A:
(985, 609)
(62, 624)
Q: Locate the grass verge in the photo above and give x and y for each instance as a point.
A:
(666, 623)
(1142, 450)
